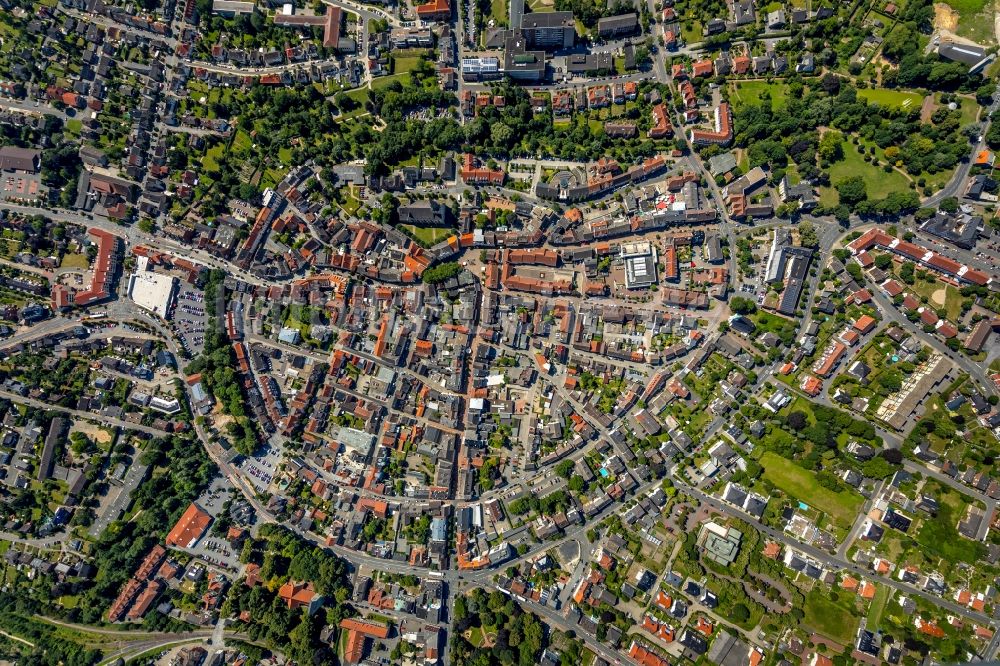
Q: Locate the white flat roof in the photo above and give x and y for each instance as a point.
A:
(152, 291)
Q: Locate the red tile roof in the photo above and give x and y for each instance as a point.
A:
(189, 528)
(103, 272)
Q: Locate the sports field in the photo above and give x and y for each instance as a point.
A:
(893, 99)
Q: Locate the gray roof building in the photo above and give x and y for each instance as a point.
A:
(13, 158)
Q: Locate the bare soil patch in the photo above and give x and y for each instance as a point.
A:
(945, 18)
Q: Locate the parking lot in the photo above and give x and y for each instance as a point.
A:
(20, 186)
(214, 549)
(259, 470)
(189, 318)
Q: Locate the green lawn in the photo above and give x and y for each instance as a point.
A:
(893, 99)
(969, 109)
(272, 177)
(878, 606)
(951, 301)
(939, 535)
(383, 81)
(210, 161)
(241, 141)
(691, 32)
(357, 95)
(749, 93)
(771, 323)
(801, 484)
(878, 182)
(800, 404)
(834, 619)
(428, 236)
(498, 12)
(967, 6)
(351, 204)
(401, 64)
(74, 261)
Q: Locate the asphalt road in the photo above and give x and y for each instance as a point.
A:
(87, 416)
(33, 108)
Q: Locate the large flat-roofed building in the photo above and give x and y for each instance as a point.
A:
(481, 69)
(405, 38)
(720, 544)
(521, 64)
(152, 291)
(591, 63)
(232, 8)
(640, 265)
(549, 30)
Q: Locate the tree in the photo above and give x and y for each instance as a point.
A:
(883, 262)
(386, 212)
(878, 468)
(442, 272)
(891, 380)
(501, 134)
(796, 420)
(807, 235)
(831, 146)
(565, 469)
(900, 42)
(830, 83)
(79, 443)
(741, 614)
(949, 205)
(852, 191)
(743, 306)
(984, 93)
